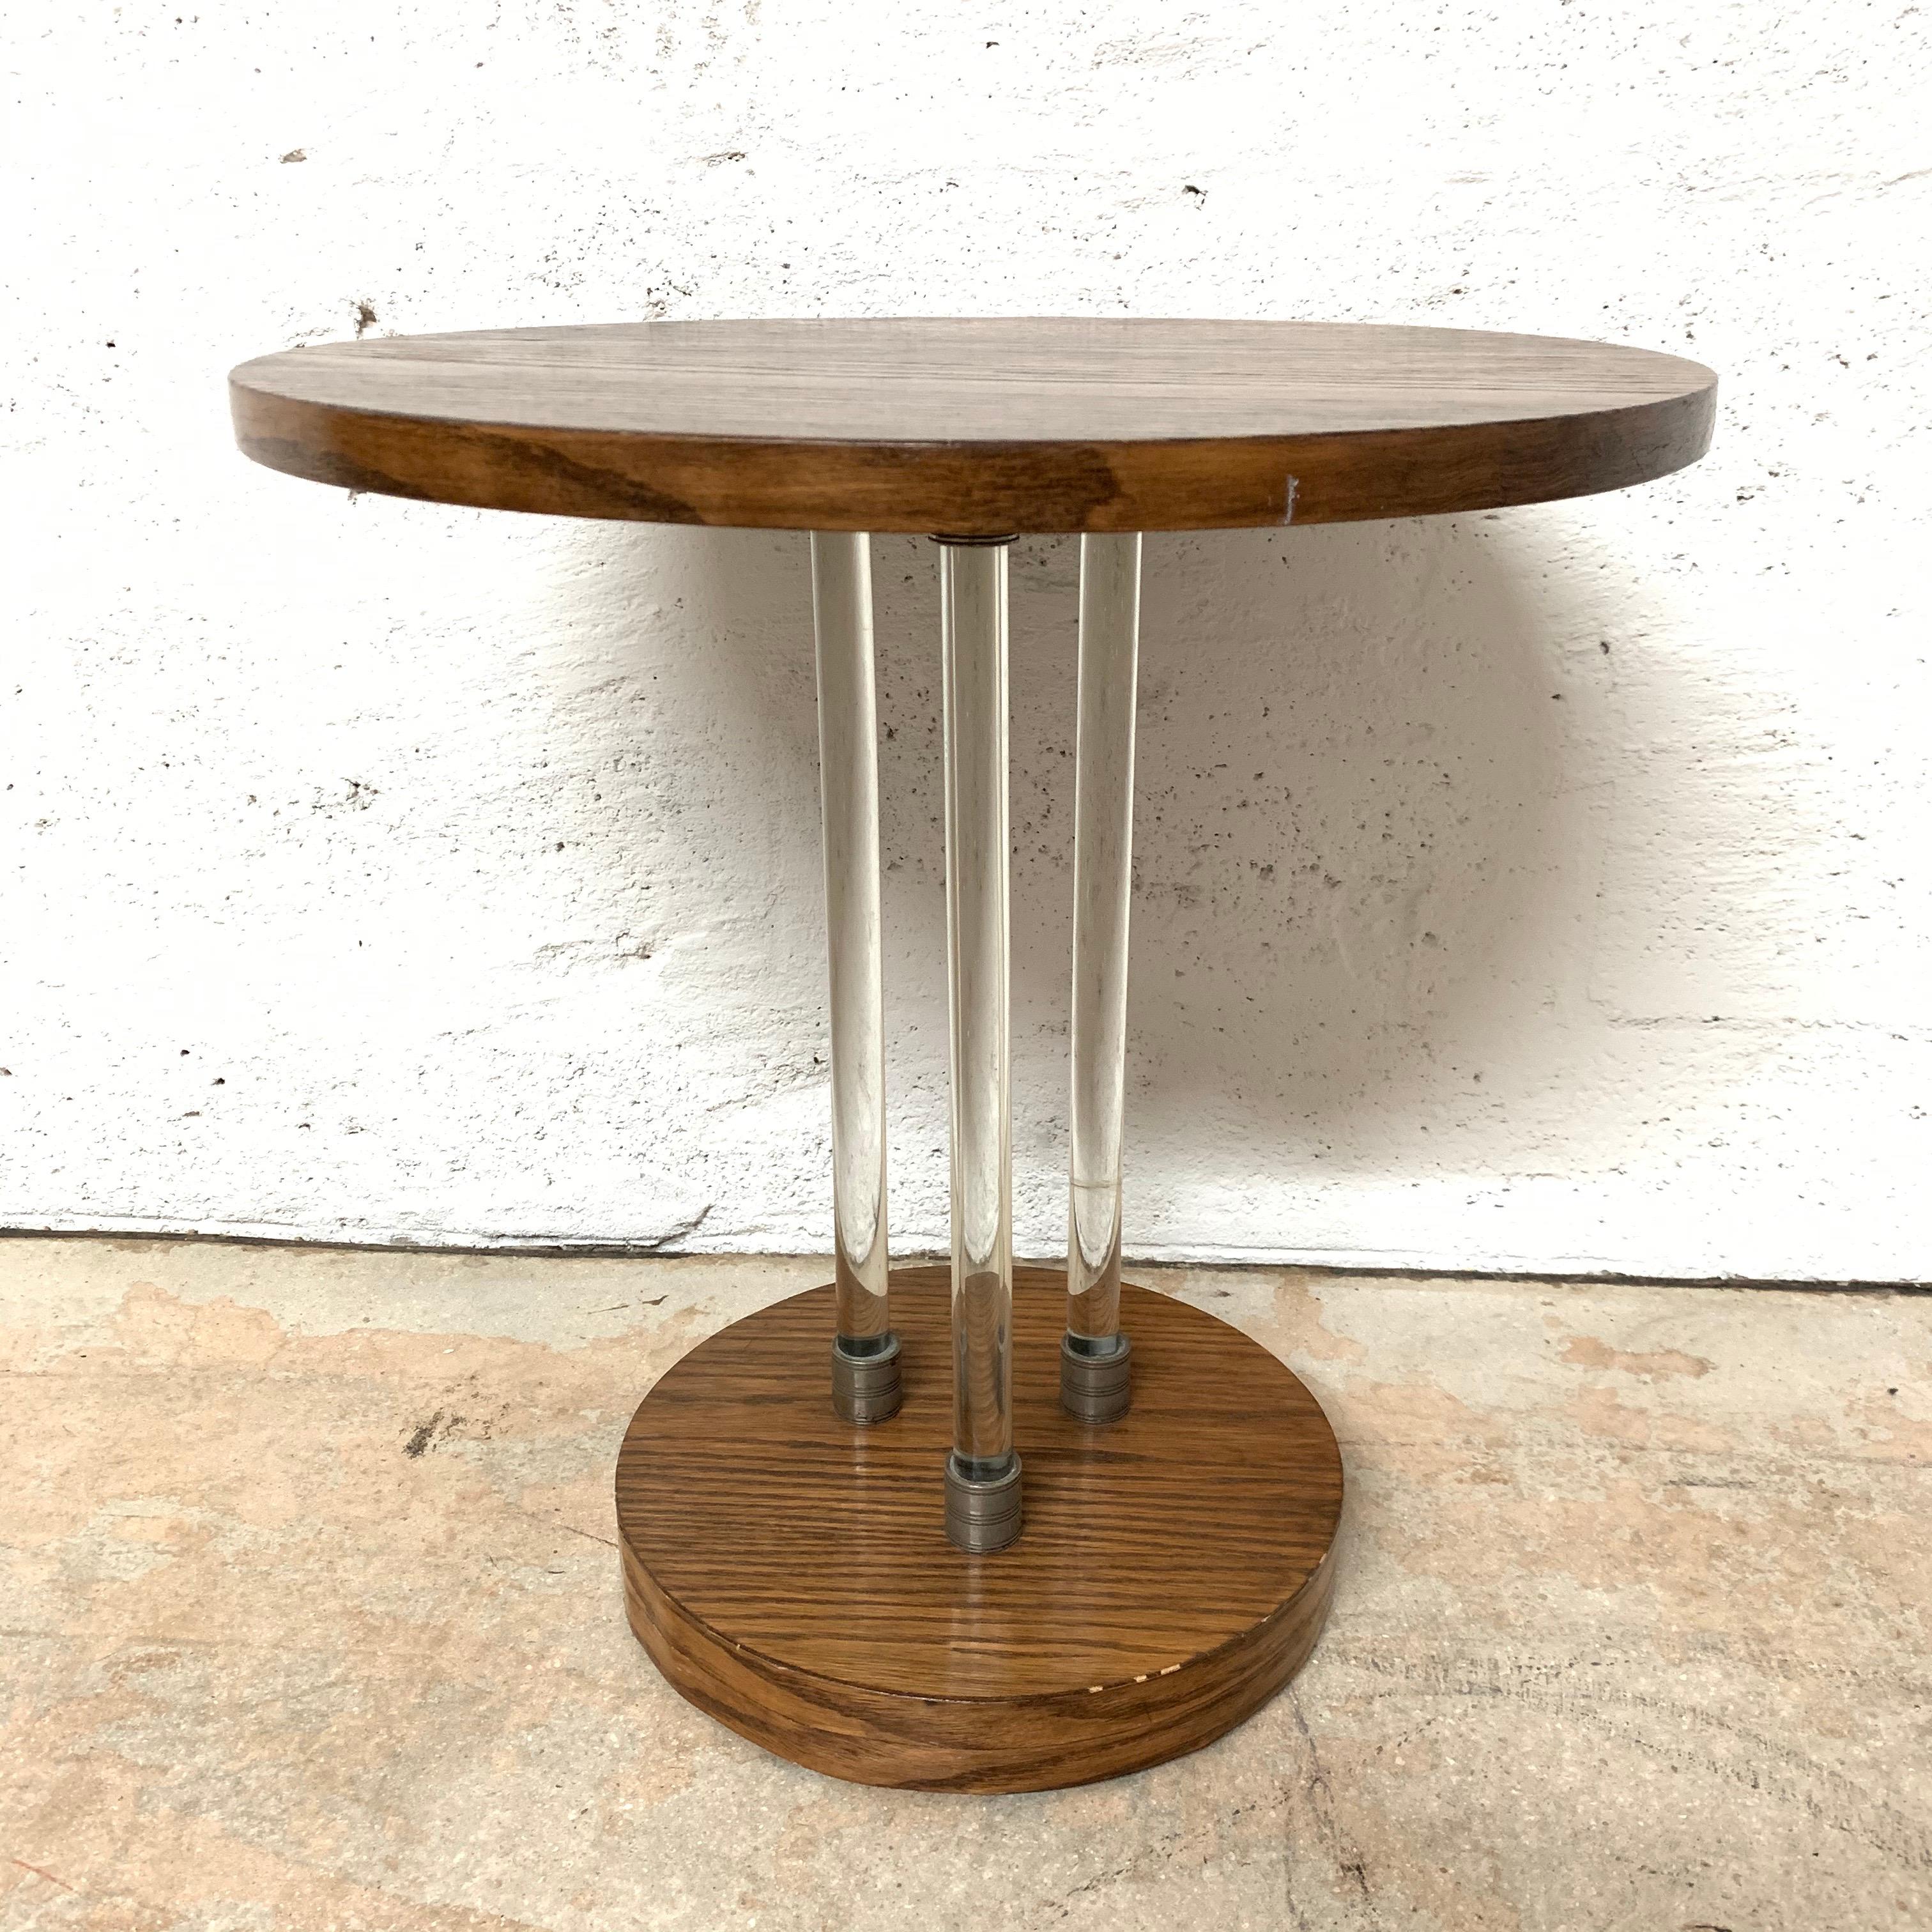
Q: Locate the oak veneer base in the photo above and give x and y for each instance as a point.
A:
(790, 1573)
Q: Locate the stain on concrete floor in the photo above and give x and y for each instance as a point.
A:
(312, 1620)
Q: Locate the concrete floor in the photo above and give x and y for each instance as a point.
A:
(312, 1620)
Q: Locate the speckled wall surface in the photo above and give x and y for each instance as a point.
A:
(1539, 890)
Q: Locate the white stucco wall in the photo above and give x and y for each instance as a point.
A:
(1541, 890)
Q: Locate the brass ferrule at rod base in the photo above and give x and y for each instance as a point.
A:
(1096, 1388)
(866, 1388)
(982, 1517)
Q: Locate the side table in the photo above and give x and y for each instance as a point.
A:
(979, 1528)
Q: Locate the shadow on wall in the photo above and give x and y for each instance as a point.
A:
(1350, 819)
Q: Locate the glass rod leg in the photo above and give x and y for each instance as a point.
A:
(865, 1351)
(982, 1473)
(1095, 1357)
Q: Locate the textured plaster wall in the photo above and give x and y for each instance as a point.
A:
(1539, 890)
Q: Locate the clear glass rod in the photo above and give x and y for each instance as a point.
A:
(972, 619)
(848, 757)
(1103, 838)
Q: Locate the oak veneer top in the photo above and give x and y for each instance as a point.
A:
(977, 426)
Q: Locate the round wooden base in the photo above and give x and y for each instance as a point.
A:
(789, 1573)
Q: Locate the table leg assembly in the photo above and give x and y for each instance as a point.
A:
(983, 1510)
(858, 1585)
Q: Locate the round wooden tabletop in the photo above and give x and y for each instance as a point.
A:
(977, 428)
